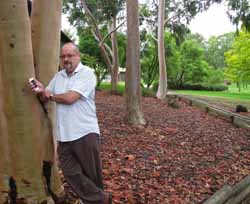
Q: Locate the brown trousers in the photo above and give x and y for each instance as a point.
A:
(80, 162)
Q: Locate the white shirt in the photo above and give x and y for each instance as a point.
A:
(78, 119)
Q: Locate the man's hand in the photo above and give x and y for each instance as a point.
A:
(36, 86)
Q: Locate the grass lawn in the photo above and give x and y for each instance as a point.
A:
(231, 94)
(107, 86)
(226, 94)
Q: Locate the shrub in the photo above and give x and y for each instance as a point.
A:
(205, 87)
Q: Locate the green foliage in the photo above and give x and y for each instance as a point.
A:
(88, 45)
(102, 10)
(149, 62)
(100, 71)
(238, 60)
(204, 87)
(215, 49)
(194, 69)
(122, 42)
(214, 76)
(239, 11)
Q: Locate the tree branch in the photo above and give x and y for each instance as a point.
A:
(112, 32)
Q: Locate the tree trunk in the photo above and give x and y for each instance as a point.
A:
(3, 137)
(162, 87)
(115, 57)
(45, 26)
(133, 88)
(21, 127)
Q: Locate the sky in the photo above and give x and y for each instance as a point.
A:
(212, 22)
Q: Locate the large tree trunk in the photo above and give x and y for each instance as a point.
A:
(45, 26)
(3, 136)
(162, 87)
(133, 70)
(115, 57)
(21, 127)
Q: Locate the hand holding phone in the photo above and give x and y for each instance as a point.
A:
(33, 83)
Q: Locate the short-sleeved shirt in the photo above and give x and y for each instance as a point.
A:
(78, 119)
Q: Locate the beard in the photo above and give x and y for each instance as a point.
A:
(68, 66)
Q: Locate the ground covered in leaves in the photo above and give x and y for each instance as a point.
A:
(182, 156)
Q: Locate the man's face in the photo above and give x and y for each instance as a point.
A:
(70, 58)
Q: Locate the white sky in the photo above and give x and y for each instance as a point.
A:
(213, 22)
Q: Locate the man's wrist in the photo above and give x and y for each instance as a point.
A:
(51, 97)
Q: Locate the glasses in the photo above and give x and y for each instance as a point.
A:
(67, 56)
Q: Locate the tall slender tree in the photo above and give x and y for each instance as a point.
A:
(162, 88)
(133, 70)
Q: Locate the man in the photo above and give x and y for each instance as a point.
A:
(73, 90)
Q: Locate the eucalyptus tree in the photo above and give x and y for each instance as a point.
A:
(179, 13)
(133, 70)
(26, 134)
(239, 12)
(98, 14)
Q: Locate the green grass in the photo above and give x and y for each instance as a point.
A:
(225, 94)
(232, 93)
(121, 88)
(107, 86)
(234, 89)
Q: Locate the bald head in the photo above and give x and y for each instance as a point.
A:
(70, 57)
(72, 46)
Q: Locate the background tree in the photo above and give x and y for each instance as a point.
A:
(215, 48)
(193, 66)
(239, 12)
(98, 14)
(162, 88)
(238, 60)
(133, 87)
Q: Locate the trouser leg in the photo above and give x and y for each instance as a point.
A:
(87, 151)
(80, 183)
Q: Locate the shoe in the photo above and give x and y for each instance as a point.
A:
(81, 202)
(107, 198)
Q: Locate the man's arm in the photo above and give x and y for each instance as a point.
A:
(45, 95)
(66, 98)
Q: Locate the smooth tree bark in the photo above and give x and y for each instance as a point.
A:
(23, 114)
(3, 135)
(115, 56)
(24, 130)
(162, 87)
(46, 27)
(133, 70)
